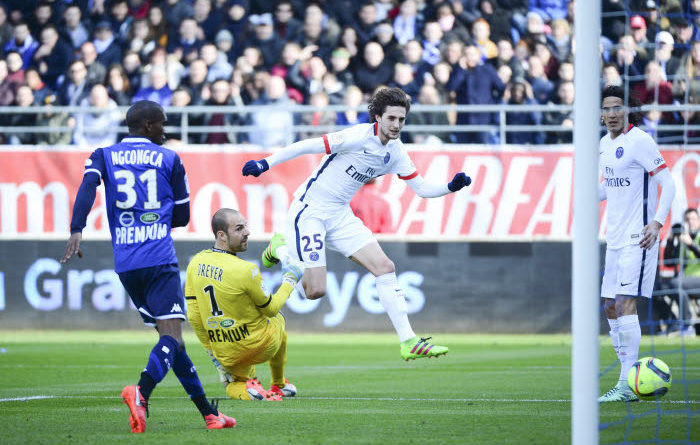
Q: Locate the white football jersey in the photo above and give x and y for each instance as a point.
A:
(628, 164)
(353, 157)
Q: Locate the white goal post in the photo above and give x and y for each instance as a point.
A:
(585, 256)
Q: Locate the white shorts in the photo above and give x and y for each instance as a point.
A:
(629, 270)
(311, 230)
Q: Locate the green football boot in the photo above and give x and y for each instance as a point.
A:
(420, 348)
(269, 255)
(619, 393)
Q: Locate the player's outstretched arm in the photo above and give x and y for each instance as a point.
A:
(426, 189)
(308, 146)
(83, 203)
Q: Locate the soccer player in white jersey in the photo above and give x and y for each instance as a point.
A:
(632, 168)
(320, 214)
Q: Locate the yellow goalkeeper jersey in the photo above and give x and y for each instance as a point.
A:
(228, 303)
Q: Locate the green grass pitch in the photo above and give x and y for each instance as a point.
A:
(63, 387)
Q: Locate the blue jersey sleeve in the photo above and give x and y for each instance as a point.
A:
(96, 164)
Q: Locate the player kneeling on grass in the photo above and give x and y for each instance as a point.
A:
(235, 316)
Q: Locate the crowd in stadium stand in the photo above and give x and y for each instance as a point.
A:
(106, 53)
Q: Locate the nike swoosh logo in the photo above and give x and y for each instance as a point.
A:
(625, 284)
(366, 152)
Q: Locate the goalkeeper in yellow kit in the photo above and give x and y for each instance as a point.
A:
(235, 316)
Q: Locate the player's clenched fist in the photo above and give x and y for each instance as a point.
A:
(255, 168)
(458, 182)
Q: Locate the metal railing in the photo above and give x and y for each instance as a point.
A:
(185, 129)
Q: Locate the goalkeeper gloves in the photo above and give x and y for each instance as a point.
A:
(291, 273)
(255, 168)
(224, 376)
(458, 182)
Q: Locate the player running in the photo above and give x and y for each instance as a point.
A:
(320, 214)
(234, 315)
(146, 195)
(632, 167)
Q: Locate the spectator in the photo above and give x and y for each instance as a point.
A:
(224, 43)
(535, 31)
(181, 98)
(254, 88)
(560, 39)
(53, 56)
(350, 41)
(406, 23)
(15, 73)
(7, 93)
(97, 128)
(313, 41)
(372, 208)
(156, 19)
(108, 49)
(549, 9)
(441, 74)
(498, 17)
(118, 86)
(384, 35)
(373, 70)
(132, 67)
(158, 91)
(264, 38)
(273, 127)
(75, 89)
(39, 88)
(550, 63)
(628, 60)
(220, 97)
(236, 22)
(364, 23)
(565, 96)
(316, 70)
(287, 27)
(506, 56)
(96, 72)
(431, 44)
(429, 95)
(333, 88)
(413, 57)
(290, 69)
(208, 19)
(174, 70)
(340, 66)
(403, 78)
(384, 7)
(24, 98)
(452, 28)
(639, 30)
(176, 12)
(482, 36)
(188, 42)
(41, 18)
(319, 117)
(22, 42)
(141, 37)
(664, 55)
(654, 88)
(73, 26)
(329, 28)
(352, 99)
(452, 53)
(505, 74)
(478, 83)
(54, 120)
(344, 11)
(613, 19)
(542, 87)
(686, 83)
(520, 93)
(217, 63)
(5, 27)
(120, 20)
(610, 75)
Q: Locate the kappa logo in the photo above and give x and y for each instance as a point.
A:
(176, 308)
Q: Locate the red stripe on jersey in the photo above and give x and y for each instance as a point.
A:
(628, 129)
(327, 144)
(657, 169)
(411, 176)
(376, 126)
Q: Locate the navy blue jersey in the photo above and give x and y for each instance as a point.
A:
(143, 182)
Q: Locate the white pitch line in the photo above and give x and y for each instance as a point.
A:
(378, 399)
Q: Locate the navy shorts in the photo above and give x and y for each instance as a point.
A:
(156, 292)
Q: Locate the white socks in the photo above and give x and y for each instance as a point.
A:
(614, 331)
(629, 336)
(392, 299)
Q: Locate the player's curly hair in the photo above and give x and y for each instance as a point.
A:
(634, 117)
(387, 97)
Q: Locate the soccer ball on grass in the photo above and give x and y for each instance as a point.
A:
(649, 377)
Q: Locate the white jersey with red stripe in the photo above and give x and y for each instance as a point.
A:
(353, 157)
(628, 164)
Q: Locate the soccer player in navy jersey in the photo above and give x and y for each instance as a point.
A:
(146, 195)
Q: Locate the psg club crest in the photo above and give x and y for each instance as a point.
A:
(387, 157)
(313, 256)
(619, 152)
